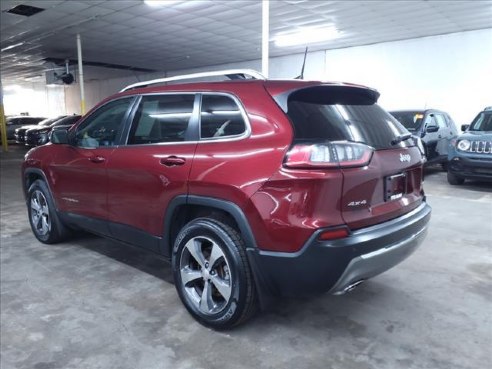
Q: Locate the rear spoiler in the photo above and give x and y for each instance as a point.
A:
(345, 94)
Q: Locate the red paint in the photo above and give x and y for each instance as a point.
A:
(133, 185)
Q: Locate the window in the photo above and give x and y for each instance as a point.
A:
(369, 124)
(161, 118)
(101, 128)
(441, 121)
(430, 120)
(220, 117)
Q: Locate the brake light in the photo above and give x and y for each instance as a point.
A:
(338, 154)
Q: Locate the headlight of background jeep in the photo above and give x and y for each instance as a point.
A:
(463, 145)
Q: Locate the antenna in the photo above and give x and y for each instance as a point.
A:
(301, 76)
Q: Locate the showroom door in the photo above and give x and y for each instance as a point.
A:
(152, 168)
(79, 170)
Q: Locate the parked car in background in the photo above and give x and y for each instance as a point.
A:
(470, 155)
(40, 135)
(20, 132)
(250, 188)
(434, 127)
(12, 123)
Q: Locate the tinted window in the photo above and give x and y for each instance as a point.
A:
(220, 117)
(368, 124)
(411, 120)
(161, 118)
(483, 122)
(102, 127)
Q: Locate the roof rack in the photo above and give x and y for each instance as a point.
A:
(229, 73)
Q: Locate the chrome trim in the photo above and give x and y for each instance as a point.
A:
(245, 134)
(249, 72)
(479, 147)
(247, 131)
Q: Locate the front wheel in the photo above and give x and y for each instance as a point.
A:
(454, 179)
(43, 218)
(212, 275)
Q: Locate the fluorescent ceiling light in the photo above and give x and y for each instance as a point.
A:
(12, 46)
(160, 2)
(306, 36)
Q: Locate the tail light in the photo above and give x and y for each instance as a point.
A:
(338, 154)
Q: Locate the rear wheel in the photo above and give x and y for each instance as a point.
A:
(454, 179)
(212, 274)
(43, 218)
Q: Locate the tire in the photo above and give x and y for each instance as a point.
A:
(44, 220)
(212, 274)
(454, 179)
(444, 166)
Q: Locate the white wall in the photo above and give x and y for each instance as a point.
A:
(449, 72)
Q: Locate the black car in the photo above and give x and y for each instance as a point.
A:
(12, 123)
(20, 132)
(434, 127)
(40, 135)
(470, 155)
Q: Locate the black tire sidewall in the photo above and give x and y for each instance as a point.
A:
(53, 235)
(234, 308)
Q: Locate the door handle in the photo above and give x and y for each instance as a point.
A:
(172, 161)
(97, 159)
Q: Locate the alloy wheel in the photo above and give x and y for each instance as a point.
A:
(205, 275)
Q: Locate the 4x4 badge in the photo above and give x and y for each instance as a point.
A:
(405, 157)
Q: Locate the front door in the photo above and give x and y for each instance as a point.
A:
(153, 167)
(78, 171)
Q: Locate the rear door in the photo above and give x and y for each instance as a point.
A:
(152, 168)
(390, 185)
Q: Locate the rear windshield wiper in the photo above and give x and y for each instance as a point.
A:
(401, 138)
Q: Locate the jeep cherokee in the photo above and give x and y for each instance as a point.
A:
(251, 188)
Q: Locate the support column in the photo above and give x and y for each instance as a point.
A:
(3, 127)
(81, 75)
(265, 35)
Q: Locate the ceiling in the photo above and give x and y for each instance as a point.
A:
(188, 34)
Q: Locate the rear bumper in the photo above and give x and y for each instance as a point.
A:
(334, 266)
(479, 168)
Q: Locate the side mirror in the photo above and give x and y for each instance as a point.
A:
(59, 136)
(431, 129)
(464, 127)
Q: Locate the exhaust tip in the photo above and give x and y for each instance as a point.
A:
(349, 288)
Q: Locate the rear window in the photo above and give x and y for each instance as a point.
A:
(411, 120)
(365, 123)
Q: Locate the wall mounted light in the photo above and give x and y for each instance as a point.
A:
(160, 2)
(306, 36)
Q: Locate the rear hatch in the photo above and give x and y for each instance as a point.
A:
(342, 128)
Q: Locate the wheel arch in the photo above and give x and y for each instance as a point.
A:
(184, 208)
(29, 176)
(175, 215)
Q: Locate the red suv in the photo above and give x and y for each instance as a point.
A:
(252, 188)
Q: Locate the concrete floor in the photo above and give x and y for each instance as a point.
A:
(93, 303)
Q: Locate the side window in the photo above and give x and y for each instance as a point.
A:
(220, 117)
(430, 120)
(102, 127)
(441, 121)
(161, 118)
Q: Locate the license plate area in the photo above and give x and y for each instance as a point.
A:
(395, 186)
